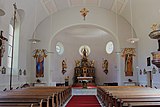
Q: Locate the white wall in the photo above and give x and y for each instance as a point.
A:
(104, 20)
(145, 13)
(28, 25)
(46, 31)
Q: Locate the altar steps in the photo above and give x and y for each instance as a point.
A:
(80, 85)
(78, 89)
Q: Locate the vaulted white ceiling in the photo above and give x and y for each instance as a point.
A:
(35, 11)
(52, 6)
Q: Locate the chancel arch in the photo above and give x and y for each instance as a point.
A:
(84, 35)
(57, 23)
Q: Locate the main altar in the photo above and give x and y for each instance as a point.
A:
(84, 72)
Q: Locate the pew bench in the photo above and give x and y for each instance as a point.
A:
(143, 104)
(120, 96)
(51, 96)
(19, 105)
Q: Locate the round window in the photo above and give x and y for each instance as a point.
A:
(86, 48)
(109, 47)
(59, 48)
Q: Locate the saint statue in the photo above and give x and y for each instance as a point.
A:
(92, 63)
(64, 66)
(77, 62)
(84, 53)
(2, 45)
(105, 66)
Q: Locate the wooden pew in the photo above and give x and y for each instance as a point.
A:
(37, 93)
(63, 93)
(119, 93)
(144, 104)
(19, 105)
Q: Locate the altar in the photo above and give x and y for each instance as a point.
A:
(84, 70)
(86, 79)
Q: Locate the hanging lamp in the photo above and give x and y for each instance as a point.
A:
(33, 39)
(132, 39)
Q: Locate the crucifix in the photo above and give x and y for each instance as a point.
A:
(84, 12)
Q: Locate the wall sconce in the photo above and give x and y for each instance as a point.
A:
(24, 72)
(144, 71)
(140, 72)
(20, 72)
(154, 70)
(3, 70)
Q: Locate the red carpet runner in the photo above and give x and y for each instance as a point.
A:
(83, 101)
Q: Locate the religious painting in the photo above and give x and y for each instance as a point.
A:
(140, 72)
(40, 66)
(128, 65)
(128, 54)
(39, 55)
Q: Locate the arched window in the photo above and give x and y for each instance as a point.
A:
(109, 47)
(59, 48)
(15, 46)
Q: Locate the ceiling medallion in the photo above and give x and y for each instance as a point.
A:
(84, 12)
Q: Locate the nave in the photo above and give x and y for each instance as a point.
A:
(63, 96)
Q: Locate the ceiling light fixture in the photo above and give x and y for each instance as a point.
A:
(132, 39)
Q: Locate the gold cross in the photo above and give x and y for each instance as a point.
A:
(84, 12)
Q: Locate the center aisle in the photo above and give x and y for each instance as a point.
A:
(83, 101)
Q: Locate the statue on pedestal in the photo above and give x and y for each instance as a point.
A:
(64, 66)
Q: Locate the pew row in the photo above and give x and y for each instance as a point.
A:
(42, 96)
(124, 96)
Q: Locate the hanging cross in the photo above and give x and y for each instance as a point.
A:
(84, 12)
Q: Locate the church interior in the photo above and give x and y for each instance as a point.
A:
(79, 53)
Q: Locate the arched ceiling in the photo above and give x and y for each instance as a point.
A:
(52, 6)
(84, 32)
